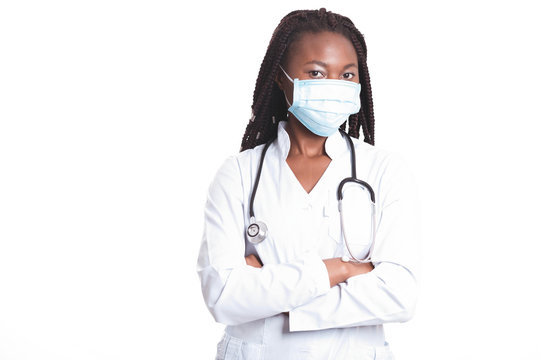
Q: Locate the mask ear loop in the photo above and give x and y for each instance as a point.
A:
(287, 75)
(291, 80)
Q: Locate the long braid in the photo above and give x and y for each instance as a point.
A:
(367, 120)
(269, 105)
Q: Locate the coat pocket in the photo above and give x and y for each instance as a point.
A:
(231, 348)
(334, 228)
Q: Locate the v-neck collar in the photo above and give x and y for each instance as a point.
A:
(319, 184)
(334, 146)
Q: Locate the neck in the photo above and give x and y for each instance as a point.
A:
(303, 141)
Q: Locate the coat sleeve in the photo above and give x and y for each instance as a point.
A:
(389, 292)
(234, 292)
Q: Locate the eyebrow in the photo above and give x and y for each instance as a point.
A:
(317, 62)
(321, 63)
(350, 65)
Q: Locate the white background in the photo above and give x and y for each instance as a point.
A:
(115, 115)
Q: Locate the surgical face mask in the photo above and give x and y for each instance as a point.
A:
(322, 105)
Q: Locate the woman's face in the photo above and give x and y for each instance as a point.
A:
(323, 55)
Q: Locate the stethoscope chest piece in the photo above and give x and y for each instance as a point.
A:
(256, 232)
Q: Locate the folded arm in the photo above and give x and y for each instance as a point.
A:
(235, 292)
(389, 292)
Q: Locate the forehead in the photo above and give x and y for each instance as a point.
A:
(325, 46)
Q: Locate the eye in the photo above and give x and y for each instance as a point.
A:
(348, 76)
(316, 74)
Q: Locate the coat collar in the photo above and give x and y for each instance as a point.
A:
(335, 145)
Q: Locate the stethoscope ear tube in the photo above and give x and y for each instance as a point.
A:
(367, 187)
(352, 258)
(364, 184)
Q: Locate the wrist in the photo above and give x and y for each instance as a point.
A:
(346, 270)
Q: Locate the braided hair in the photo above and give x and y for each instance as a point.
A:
(269, 105)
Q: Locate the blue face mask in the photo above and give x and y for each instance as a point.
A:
(322, 105)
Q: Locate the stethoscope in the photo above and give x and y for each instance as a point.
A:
(257, 230)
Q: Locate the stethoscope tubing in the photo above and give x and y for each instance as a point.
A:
(257, 178)
(254, 226)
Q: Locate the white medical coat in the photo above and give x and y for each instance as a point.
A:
(323, 322)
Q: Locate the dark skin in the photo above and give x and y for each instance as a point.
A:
(323, 55)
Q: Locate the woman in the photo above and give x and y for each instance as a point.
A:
(285, 286)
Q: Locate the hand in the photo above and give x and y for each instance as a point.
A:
(253, 260)
(339, 271)
(359, 268)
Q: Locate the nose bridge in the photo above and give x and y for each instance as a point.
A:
(333, 74)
